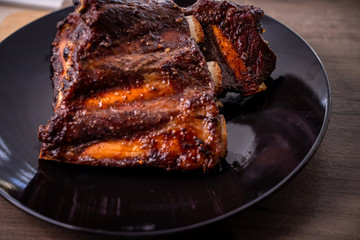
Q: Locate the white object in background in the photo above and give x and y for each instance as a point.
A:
(51, 4)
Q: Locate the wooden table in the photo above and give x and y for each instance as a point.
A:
(323, 201)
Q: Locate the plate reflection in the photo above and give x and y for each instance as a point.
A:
(269, 134)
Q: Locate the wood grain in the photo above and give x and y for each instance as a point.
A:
(323, 200)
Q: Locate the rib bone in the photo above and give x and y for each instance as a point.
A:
(223, 132)
(196, 30)
(215, 72)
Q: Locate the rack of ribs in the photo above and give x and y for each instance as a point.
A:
(132, 88)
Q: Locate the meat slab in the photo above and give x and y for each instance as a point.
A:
(131, 88)
(233, 38)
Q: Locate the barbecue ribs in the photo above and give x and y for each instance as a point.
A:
(133, 88)
(233, 39)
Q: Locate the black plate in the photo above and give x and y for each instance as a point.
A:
(271, 136)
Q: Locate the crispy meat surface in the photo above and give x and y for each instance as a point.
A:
(131, 88)
(233, 38)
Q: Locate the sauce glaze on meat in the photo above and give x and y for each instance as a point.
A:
(131, 88)
(234, 39)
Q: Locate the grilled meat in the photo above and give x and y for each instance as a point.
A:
(233, 39)
(132, 88)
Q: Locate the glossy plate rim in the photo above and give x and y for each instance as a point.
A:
(285, 180)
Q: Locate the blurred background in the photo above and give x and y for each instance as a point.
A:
(15, 14)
